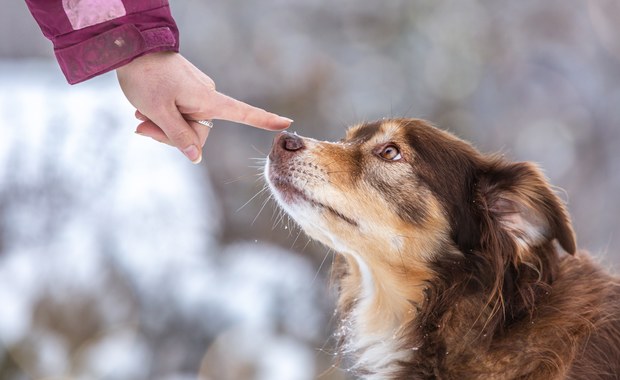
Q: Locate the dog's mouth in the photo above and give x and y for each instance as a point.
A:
(291, 194)
(288, 192)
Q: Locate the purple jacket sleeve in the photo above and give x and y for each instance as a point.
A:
(91, 37)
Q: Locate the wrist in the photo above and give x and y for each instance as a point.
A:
(144, 60)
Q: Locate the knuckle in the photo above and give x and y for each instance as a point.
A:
(210, 85)
(244, 116)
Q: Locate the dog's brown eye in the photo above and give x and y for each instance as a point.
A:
(390, 153)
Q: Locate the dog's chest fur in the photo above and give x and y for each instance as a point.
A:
(461, 341)
(372, 337)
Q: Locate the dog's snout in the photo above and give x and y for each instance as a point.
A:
(286, 143)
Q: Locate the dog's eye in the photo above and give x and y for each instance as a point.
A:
(390, 153)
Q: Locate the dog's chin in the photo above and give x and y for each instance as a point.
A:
(295, 201)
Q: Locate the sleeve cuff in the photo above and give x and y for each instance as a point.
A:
(112, 49)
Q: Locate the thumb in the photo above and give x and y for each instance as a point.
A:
(179, 133)
(227, 108)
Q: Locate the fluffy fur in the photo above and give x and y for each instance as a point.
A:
(452, 264)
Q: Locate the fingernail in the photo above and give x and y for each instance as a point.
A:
(139, 133)
(193, 154)
(287, 119)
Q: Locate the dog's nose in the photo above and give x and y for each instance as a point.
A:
(285, 145)
(289, 142)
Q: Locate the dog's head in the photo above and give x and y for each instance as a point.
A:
(402, 183)
(405, 200)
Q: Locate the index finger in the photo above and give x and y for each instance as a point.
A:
(227, 108)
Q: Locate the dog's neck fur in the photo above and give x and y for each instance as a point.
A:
(378, 307)
(394, 322)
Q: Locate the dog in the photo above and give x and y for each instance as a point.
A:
(451, 264)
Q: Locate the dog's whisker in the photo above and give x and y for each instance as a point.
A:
(258, 150)
(274, 217)
(261, 209)
(259, 178)
(306, 245)
(299, 232)
(316, 275)
(239, 178)
(288, 225)
(262, 191)
(281, 216)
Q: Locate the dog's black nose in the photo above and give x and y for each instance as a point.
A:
(285, 145)
(289, 142)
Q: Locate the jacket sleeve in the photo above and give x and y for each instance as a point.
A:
(91, 37)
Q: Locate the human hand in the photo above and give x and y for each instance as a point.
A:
(169, 93)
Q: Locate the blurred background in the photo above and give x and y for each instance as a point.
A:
(120, 260)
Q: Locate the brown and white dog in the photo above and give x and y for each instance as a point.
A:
(453, 264)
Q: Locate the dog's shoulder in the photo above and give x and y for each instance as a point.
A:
(588, 299)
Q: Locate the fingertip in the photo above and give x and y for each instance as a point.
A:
(193, 154)
(142, 129)
(147, 128)
(280, 123)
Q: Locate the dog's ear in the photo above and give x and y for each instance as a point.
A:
(519, 198)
